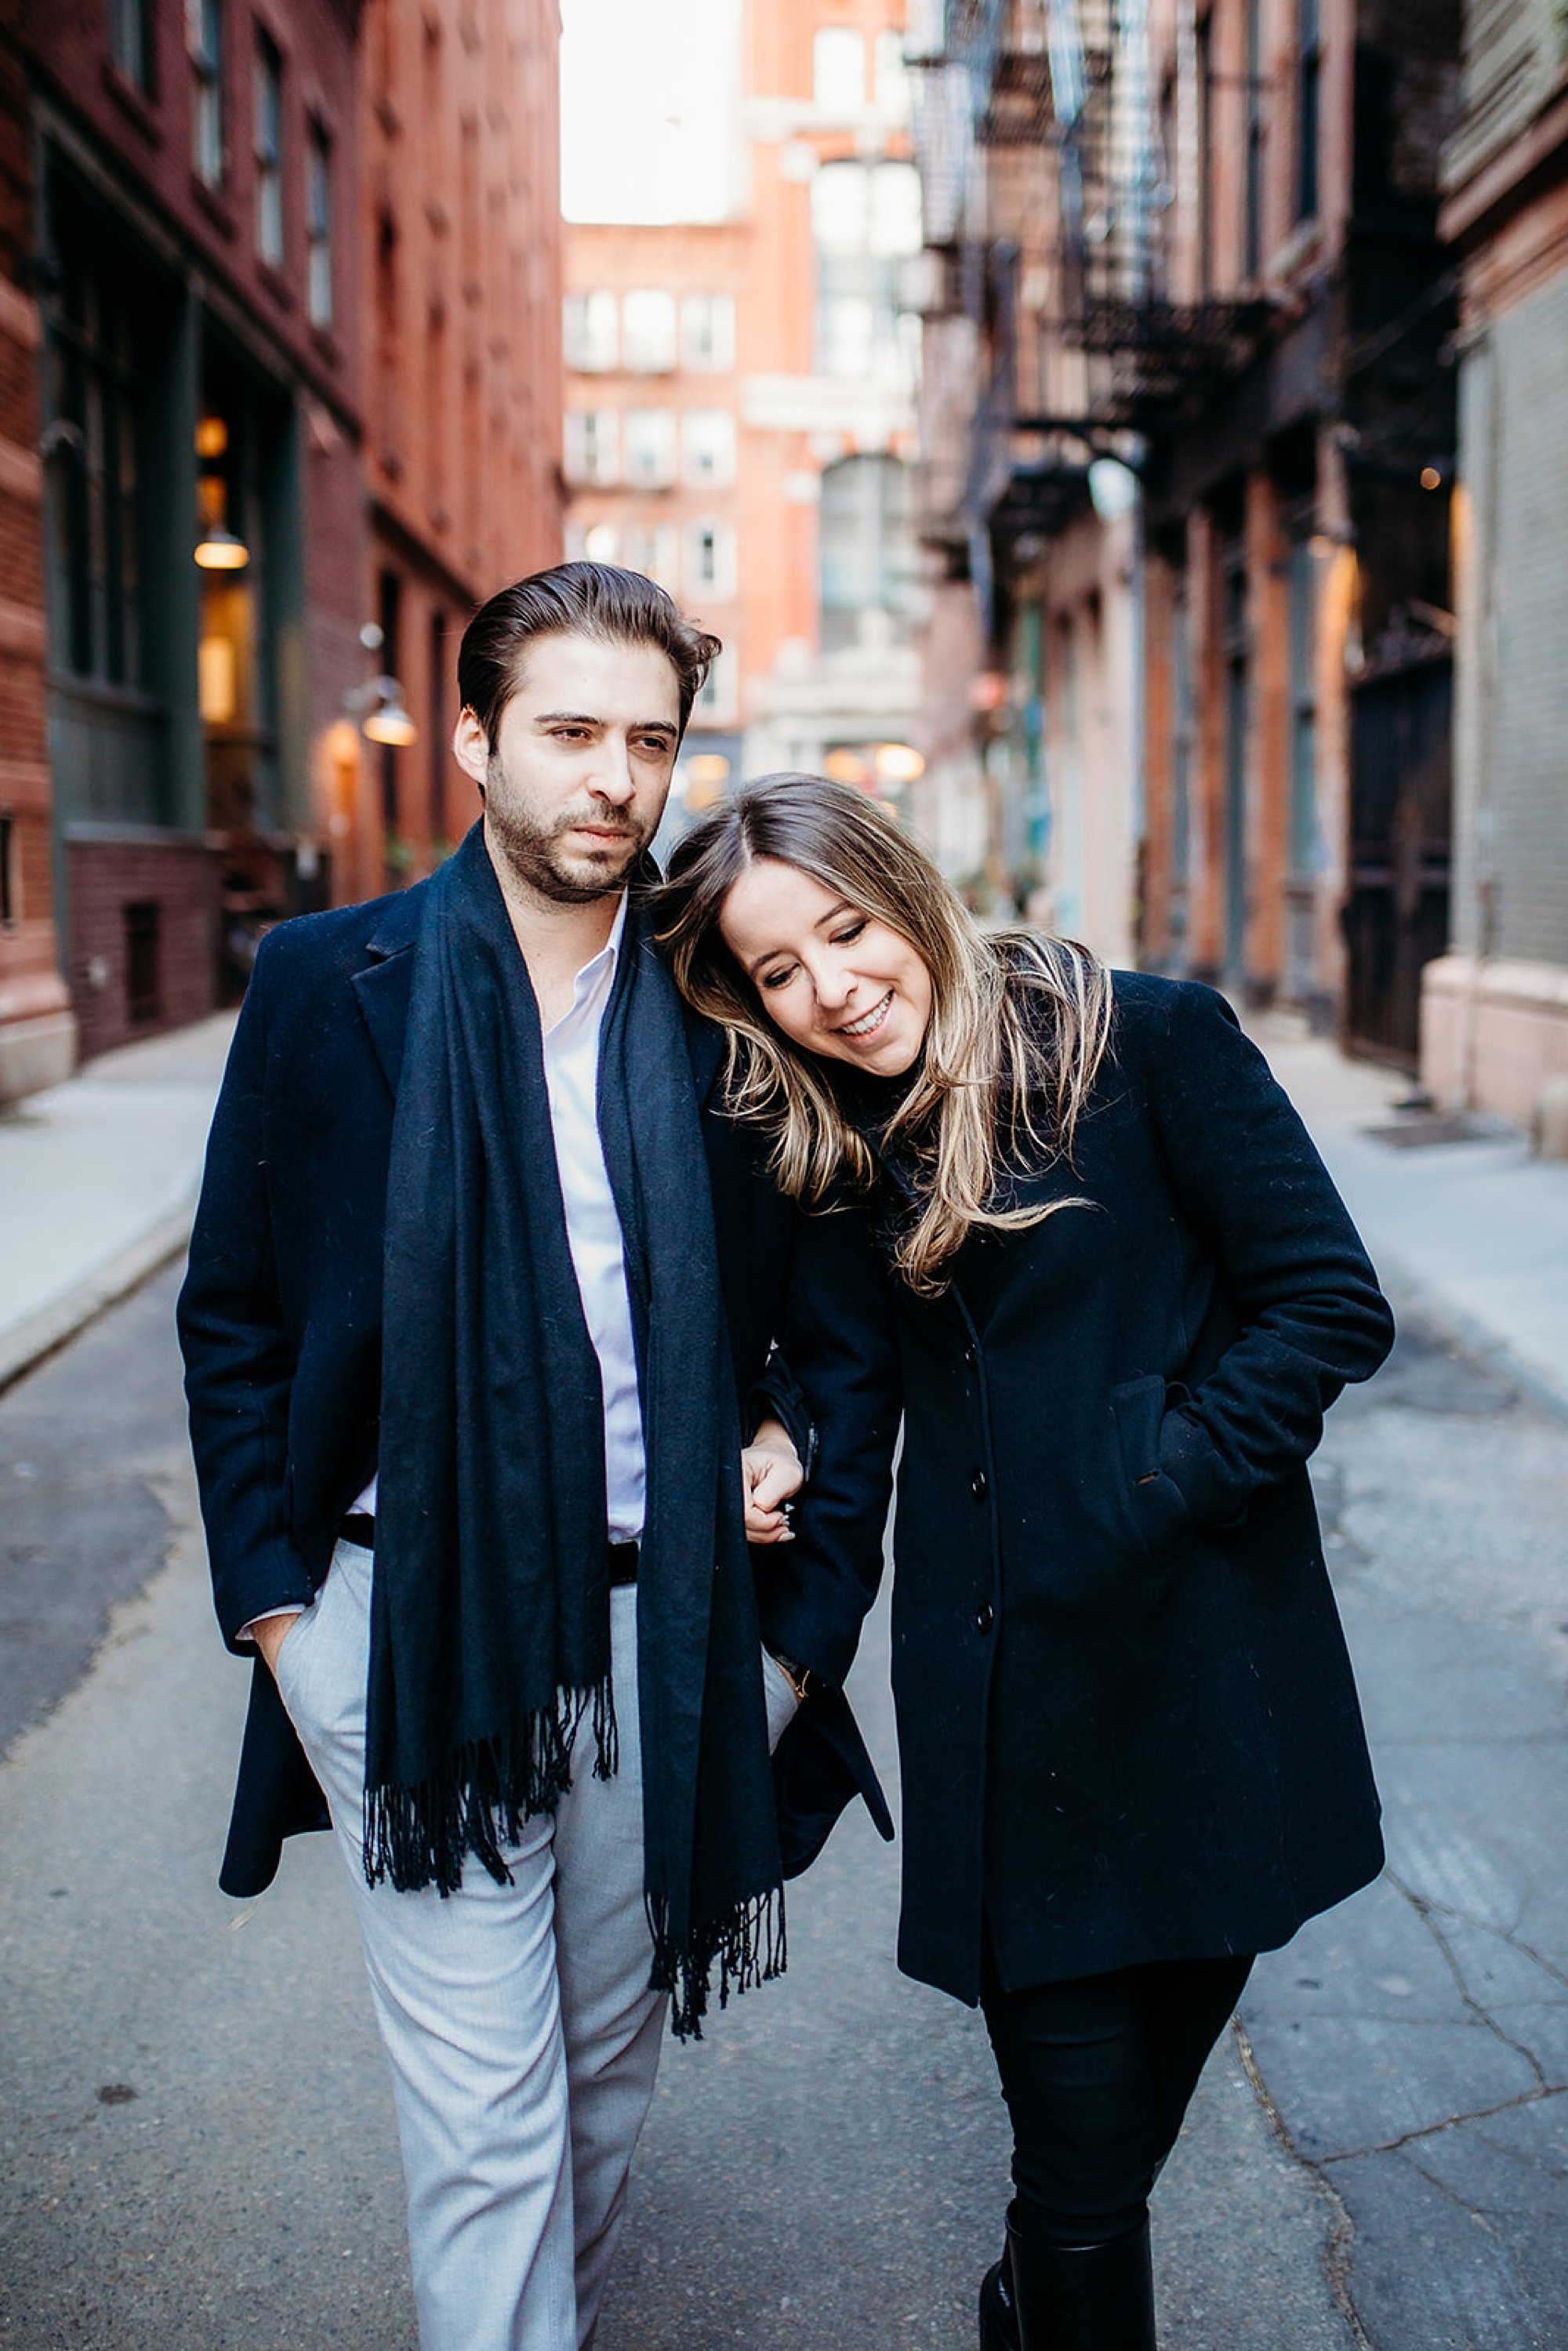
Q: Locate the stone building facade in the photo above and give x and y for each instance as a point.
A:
(1495, 1008)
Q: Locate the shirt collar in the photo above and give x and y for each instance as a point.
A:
(594, 981)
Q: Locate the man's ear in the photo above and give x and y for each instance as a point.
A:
(470, 746)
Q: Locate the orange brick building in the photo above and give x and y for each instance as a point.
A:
(740, 402)
(461, 340)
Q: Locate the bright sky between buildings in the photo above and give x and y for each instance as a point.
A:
(650, 109)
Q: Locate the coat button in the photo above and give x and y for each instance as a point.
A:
(971, 1354)
(978, 1485)
(985, 1617)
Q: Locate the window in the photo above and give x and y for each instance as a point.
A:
(838, 70)
(710, 561)
(865, 547)
(592, 447)
(440, 749)
(389, 613)
(1304, 713)
(591, 334)
(891, 78)
(318, 226)
(708, 333)
(648, 332)
(269, 152)
(717, 703)
(1252, 222)
(131, 41)
(204, 34)
(649, 449)
(1204, 79)
(656, 551)
(601, 544)
(865, 224)
(707, 447)
(1309, 79)
(143, 995)
(94, 431)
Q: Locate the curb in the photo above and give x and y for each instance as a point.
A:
(30, 1343)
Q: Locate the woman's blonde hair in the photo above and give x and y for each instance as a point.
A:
(1019, 1021)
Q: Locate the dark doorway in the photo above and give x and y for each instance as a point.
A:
(1396, 909)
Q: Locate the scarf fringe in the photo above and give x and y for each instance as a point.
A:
(482, 1795)
(749, 1944)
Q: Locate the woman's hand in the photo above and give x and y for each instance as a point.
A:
(770, 1473)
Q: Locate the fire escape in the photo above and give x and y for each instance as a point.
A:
(1153, 358)
(1067, 81)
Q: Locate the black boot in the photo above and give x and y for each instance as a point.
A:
(1082, 2297)
(998, 2319)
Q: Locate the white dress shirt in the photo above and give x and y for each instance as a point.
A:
(593, 1236)
(593, 1229)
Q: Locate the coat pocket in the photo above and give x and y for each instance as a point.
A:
(1152, 1498)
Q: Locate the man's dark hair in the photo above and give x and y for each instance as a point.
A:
(585, 600)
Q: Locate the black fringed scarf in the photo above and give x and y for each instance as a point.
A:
(490, 1615)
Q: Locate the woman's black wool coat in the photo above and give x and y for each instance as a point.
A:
(1127, 1726)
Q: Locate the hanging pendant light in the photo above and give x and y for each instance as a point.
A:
(389, 722)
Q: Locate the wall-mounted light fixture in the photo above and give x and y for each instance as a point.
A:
(218, 549)
(387, 719)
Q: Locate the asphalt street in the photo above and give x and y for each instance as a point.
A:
(196, 2142)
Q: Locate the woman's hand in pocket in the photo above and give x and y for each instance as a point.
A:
(770, 1474)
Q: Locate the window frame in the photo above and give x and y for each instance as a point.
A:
(209, 128)
(320, 306)
(267, 110)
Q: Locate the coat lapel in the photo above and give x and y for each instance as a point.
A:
(382, 988)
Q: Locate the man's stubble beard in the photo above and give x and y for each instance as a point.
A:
(530, 852)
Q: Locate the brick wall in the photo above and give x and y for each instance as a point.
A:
(37, 1034)
(461, 268)
(104, 879)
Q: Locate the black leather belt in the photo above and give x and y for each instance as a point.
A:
(359, 1527)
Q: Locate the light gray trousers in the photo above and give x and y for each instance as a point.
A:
(522, 2036)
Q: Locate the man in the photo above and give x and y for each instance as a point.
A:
(482, 1289)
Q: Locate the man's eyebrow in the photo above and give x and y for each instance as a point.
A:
(586, 718)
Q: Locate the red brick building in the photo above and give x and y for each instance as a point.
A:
(279, 403)
(195, 177)
(460, 237)
(37, 1029)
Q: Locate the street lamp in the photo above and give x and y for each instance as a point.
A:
(387, 720)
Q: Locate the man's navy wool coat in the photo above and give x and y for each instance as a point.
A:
(280, 1322)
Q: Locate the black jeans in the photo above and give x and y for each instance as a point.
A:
(1097, 2074)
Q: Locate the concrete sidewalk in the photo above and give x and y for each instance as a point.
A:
(98, 1183)
(1473, 1235)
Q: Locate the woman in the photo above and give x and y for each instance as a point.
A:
(1119, 1292)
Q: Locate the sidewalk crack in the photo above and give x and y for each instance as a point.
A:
(1340, 2248)
(1449, 2122)
(1428, 1912)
